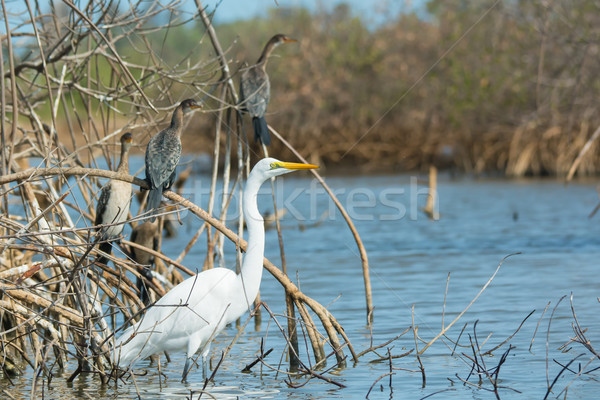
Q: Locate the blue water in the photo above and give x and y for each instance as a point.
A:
(412, 261)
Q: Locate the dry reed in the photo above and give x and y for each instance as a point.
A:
(58, 305)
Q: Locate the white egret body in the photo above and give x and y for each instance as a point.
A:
(189, 316)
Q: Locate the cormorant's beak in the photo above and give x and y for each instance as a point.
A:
(196, 106)
(289, 40)
(294, 166)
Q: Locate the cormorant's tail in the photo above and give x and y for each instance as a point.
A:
(105, 247)
(142, 281)
(261, 131)
(154, 198)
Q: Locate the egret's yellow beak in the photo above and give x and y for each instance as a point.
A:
(292, 165)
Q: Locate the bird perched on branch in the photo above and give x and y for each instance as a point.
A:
(144, 234)
(113, 204)
(255, 89)
(162, 155)
(189, 316)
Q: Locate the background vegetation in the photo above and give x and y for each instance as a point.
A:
(475, 86)
(493, 86)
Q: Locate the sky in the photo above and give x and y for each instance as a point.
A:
(373, 11)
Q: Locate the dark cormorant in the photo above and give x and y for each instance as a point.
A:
(162, 155)
(114, 201)
(145, 234)
(255, 89)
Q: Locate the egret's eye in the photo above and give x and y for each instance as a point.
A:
(274, 165)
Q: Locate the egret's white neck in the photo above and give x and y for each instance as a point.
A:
(252, 265)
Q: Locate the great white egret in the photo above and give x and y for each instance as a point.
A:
(191, 314)
(255, 89)
(113, 204)
(162, 154)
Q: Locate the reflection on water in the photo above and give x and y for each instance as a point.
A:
(411, 258)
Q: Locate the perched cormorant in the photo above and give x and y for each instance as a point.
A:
(255, 89)
(162, 155)
(145, 234)
(114, 201)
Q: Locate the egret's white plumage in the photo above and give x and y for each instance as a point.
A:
(189, 316)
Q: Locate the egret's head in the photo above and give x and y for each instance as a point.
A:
(271, 167)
